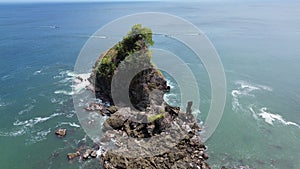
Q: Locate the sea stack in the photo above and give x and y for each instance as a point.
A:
(142, 130)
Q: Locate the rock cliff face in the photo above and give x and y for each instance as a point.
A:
(128, 65)
(142, 131)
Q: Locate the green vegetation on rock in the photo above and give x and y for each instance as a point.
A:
(139, 38)
(155, 117)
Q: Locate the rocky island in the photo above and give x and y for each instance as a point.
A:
(141, 130)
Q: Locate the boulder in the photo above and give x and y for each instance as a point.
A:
(116, 120)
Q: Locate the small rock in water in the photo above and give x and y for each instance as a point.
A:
(61, 132)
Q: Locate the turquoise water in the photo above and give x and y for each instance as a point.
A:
(257, 43)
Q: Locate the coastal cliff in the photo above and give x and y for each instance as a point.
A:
(142, 131)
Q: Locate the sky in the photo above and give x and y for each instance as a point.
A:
(29, 1)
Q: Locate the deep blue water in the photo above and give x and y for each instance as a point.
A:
(257, 43)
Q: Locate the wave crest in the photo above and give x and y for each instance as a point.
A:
(270, 117)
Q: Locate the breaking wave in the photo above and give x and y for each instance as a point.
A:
(27, 127)
(270, 118)
(64, 92)
(246, 90)
(171, 84)
(34, 121)
(68, 123)
(80, 82)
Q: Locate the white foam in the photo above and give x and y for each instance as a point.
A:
(66, 73)
(37, 72)
(68, 123)
(170, 83)
(70, 115)
(100, 151)
(66, 80)
(53, 100)
(270, 118)
(64, 92)
(28, 109)
(253, 112)
(2, 104)
(252, 86)
(170, 98)
(5, 77)
(245, 89)
(49, 26)
(235, 100)
(196, 113)
(13, 133)
(81, 84)
(97, 36)
(44, 133)
(38, 136)
(34, 121)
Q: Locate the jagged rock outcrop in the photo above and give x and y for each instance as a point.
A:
(152, 140)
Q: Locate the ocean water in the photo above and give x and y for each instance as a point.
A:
(258, 43)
